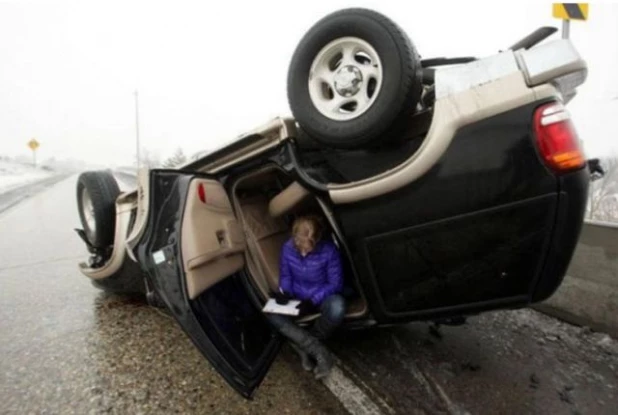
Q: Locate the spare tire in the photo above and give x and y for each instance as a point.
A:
(353, 79)
(96, 202)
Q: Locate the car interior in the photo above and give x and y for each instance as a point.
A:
(267, 201)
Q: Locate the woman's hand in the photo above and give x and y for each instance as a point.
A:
(306, 307)
(282, 298)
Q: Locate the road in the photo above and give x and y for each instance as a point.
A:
(515, 362)
(67, 347)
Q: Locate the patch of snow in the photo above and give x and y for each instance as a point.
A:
(14, 174)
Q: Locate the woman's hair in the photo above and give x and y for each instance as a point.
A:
(306, 231)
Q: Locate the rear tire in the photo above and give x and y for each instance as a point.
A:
(96, 202)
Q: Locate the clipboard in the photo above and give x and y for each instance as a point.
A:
(288, 309)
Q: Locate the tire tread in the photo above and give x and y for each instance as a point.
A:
(103, 190)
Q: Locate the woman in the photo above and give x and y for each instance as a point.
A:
(310, 271)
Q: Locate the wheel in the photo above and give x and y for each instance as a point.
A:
(353, 79)
(96, 202)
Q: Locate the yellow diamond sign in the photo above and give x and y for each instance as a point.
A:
(33, 144)
(570, 11)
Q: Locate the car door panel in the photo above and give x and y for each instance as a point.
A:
(213, 245)
(221, 319)
(464, 260)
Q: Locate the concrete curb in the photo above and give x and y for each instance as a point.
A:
(588, 295)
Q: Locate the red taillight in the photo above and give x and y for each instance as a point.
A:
(557, 138)
(201, 192)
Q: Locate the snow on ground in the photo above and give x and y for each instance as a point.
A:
(14, 174)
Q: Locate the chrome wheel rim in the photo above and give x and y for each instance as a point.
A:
(88, 210)
(345, 78)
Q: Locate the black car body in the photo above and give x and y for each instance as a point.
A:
(478, 206)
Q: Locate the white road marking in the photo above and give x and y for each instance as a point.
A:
(430, 385)
(350, 395)
(416, 373)
(452, 408)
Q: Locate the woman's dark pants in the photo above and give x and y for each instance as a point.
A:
(332, 312)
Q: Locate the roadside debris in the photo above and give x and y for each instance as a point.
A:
(565, 395)
(434, 330)
(472, 367)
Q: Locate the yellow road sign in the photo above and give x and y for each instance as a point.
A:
(33, 144)
(571, 11)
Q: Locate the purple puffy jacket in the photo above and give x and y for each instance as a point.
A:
(313, 277)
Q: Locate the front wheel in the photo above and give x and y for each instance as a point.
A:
(96, 202)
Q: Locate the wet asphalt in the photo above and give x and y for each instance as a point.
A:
(504, 362)
(66, 347)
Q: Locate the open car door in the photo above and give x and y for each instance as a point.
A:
(193, 251)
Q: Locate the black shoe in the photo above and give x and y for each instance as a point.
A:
(305, 359)
(324, 365)
(311, 346)
(323, 357)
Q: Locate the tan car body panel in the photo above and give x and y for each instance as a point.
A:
(272, 134)
(142, 196)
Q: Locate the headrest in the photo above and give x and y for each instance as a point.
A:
(289, 198)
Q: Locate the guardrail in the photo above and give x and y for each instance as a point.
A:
(126, 170)
(589, 294)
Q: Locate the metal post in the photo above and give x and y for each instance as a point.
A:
(34, 158)
(137, 129)
(565, 28)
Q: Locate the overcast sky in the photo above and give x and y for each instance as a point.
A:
(207, 71)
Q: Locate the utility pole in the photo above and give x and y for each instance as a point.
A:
(137, 129)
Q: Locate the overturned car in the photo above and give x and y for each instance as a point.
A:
(450, 186)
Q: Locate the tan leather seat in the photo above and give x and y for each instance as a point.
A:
(267, 236)
(268, 230)
(287, 199)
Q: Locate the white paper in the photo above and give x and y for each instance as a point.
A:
(289, 309)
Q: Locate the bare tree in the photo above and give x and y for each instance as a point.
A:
(603, 193)
(176, 160)
(150, 159)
